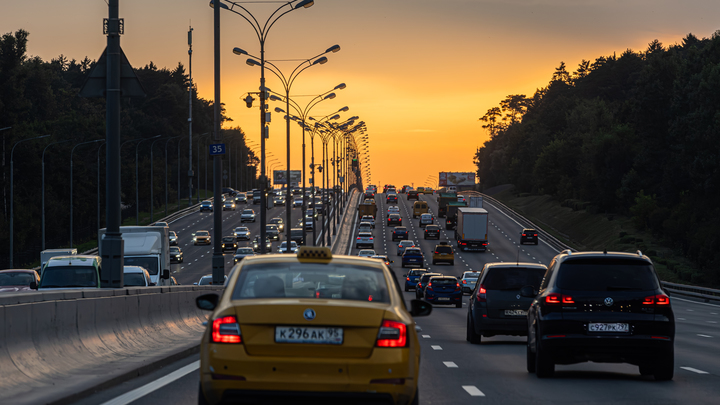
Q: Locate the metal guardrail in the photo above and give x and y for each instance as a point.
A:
(704, 293)
(175, 215)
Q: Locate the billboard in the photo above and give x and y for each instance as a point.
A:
(456, 179)
(279, 177)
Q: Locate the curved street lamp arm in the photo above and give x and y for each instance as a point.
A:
(254, 23)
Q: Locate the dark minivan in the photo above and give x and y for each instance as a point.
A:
(496, 305)
(604, 307)
(297, 235)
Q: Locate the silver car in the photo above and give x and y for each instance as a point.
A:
(283, 247)
(403, 245)
(367, 253)
(468, 281)
(247, 216)
(242, 232)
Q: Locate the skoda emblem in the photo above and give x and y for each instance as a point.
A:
(309, 314)
(608, 302)
(517, 296)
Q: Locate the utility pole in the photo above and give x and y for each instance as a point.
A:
(218, 263)
(190, 98)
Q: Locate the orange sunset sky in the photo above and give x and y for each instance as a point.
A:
(418, 72)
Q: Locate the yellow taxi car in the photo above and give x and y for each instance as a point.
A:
(314, 326)
(443, 253)
(201, 237)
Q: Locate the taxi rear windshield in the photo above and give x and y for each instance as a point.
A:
(607, 275)
(310, 280)
(443, 249)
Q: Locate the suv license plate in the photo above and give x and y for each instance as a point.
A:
(608, 327)
(515, 312)
(300, 334)
(443, 298)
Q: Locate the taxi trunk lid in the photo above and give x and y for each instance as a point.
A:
(360, 322)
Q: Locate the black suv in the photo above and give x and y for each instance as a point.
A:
(529, 235)
(432, 231)
(391, 199)
(400, 232)
(413, 195)
(297, 235)
(604, 307)
(496, 306)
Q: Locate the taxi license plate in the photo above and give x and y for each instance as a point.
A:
(443, 298)
(608, 327)
(515, 312)
(301, 334)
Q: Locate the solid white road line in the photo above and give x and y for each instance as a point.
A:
(705, 336)
(473, 391)
(450, 364)
(436, 347)
(694, 370)
(155, 385)
(695, 302)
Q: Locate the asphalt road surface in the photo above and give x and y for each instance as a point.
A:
(452, 370)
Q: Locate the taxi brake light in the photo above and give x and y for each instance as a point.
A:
(226, 330)
(392, 334)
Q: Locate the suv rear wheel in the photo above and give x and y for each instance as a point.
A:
(544, 366)
(664, 366)
(530, 360)
(472, 336)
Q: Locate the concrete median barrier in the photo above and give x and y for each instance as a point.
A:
(56, 347)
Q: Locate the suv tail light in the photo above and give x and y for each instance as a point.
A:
(392, 334)
(457, 286)
(482, 294)
(657, 300)
(226, 330)
(557, 299)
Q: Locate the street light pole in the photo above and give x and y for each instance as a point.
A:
(12, 193)
(166, 173)
(71, 185)
(98, 185)
(43, 190)
(137, 194)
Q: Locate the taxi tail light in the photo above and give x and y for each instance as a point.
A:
(226, 330)
(392, 334)
(657, 300)
(482, 294)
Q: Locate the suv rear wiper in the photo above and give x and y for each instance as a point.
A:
(621, 288)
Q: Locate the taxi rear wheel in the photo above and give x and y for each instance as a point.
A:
(201, 397)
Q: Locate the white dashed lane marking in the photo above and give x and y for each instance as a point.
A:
(473, 391)
(436, 347)
(450, 364)
(694, 370)
(426, 336)
(705, 336)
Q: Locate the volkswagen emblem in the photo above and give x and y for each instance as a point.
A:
(309, 314)
(608, 302)
(517, 296)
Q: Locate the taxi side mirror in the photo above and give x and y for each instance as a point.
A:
(420, 308)
(33, 285)
(207, 302)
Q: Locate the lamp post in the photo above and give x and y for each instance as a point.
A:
(98, 185)
(152, 176)
(262, 32)
(71, 184)
(12, 192)
(197, 199)
(137, 194)
(166, 173)
(43, 189)
(287, 84)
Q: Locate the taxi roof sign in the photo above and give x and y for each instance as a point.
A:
(314, 253)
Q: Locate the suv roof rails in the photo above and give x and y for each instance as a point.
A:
(639, 253)
(567, 251)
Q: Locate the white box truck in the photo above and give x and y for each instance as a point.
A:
(472, 229)
(149, 247)
(46, 254)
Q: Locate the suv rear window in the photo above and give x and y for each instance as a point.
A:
(424, 279)
(607, 275)
(512, 279)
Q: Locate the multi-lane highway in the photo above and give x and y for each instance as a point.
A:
(454, 371)
(197, 259)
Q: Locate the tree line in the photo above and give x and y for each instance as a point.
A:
(41, 97)
(636, 134)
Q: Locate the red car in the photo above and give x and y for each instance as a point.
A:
(18, 280)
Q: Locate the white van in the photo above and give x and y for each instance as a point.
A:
(71, 272)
